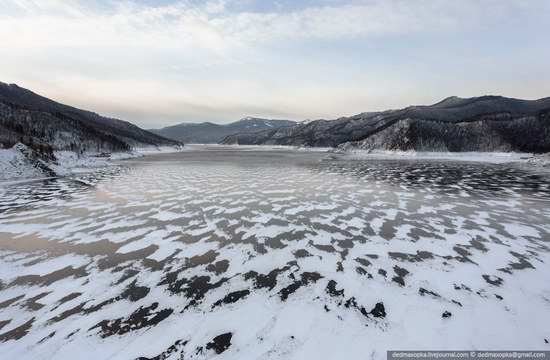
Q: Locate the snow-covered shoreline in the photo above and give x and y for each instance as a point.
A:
(21, 164)
(540, 160)
(487, 157)
(528, 159)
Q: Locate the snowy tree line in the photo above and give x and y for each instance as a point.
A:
(48, 131)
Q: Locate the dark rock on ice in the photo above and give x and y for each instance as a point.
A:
(220, 343)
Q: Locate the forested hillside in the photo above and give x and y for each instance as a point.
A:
(486, 123)
(46, 125)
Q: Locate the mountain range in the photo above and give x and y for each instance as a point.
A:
(41, 123)
(486, 123)
(210, 133)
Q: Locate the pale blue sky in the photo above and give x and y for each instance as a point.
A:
(158, 63)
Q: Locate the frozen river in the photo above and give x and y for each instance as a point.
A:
(253, 254)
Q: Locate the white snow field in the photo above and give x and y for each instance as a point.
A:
(281, 254)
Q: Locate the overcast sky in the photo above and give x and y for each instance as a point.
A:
(158, 63)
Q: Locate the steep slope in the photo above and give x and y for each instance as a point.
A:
(210, 133)
(487, 123)
(40, 122)
(500, 132)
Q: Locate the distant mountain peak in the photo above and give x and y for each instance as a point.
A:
(249, 119)
(205, 133)
(452, 101)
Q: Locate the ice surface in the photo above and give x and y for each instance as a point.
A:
(274, 254)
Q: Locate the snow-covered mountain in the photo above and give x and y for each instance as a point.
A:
(486, 123)
(210, 133)
(41, 123)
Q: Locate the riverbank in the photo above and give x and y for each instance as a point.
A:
(491, 157)
(21, 163)
(524, 160)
